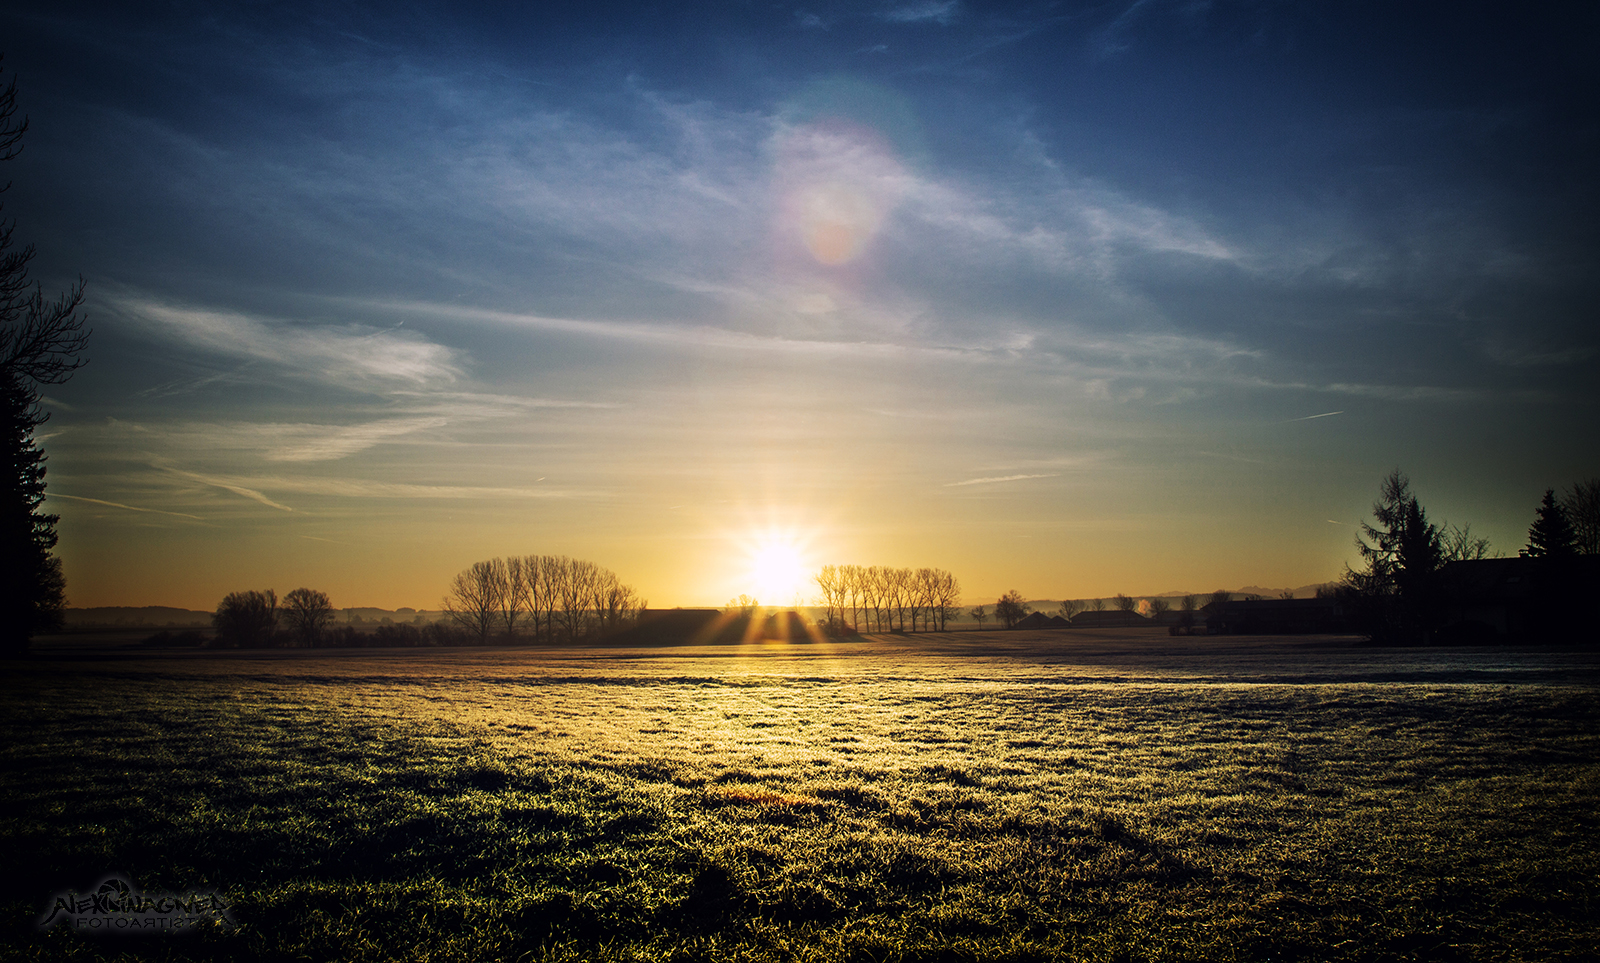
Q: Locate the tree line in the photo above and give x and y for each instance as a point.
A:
(552, 597)
(886, 599)
(1011, 608)
(1406, 590)
(525, 599)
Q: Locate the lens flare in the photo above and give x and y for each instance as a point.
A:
(839, 182)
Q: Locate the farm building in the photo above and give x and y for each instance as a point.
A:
(1116, 619)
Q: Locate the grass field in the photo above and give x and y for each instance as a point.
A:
(985, 796)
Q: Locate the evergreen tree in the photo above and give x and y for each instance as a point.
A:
(41, 343)
(1396, 595)
(1552, 535)
(31, 586)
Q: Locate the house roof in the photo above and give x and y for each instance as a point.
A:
(1113, 618)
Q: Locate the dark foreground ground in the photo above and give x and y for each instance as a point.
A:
(1095, 796)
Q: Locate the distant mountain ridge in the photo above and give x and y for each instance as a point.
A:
(1302, 592)
(151, 615)
(166, 616)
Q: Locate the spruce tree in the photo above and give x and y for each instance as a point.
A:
(1552, 535)
(1396, 597)
(41, 343)
(32, 591)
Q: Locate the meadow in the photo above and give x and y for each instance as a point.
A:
(966, 796)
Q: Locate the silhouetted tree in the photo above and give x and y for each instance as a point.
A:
(979, 615)
(1011, 609)
(246, 619)
(1551, 535)
(1126, 604)
(615, 605)
(1069, 608)
(1187, 607)
(41, 343)
(1159, 607)
(833, 590)
(516, 592)
(1457, 544)
(32, 589)
(1398, 595)
(474, 599)
(1582, 505)
(307, 613)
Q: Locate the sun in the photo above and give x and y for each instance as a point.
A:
(777, 573)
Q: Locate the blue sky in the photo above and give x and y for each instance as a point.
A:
(1069, 298)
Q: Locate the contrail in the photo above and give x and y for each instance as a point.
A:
(1002, 478)
(1325, 414)
(131, 508)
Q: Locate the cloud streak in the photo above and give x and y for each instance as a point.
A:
(131, 508)
(999, 478)
(227, 485)
(339, 355)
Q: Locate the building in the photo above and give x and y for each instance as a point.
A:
(1520, 600)
(1275, 617)
(1038, 620)
(1114, 619)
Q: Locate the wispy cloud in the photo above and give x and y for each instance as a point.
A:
(999, 478)
(131, 508)
(942, 12)
(228, 485)
(367, 488)
(322, 443)
(272, 441)
(339, 354)
(1523, 357)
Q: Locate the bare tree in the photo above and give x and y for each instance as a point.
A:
(515, 591)
(246, 619)
(1097, 605)
(1583, 511)
(979, 616)
(576, 590)
(615, 605)
(1159, 607)
(1459, 544)
(1011, 609)
(946, 597)
(307, 613)
(541, 574)
(831, 585)
(1219, 598)
(853, 586)
(875, 580)
(920, 592)
(1126, 604)
(475, 598)
(1187, 607)
(1069, 608)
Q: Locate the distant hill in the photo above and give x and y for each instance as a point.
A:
(155, 616)
(1303, 592)
(165, 616)
(361, 616)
